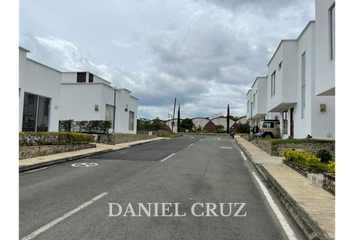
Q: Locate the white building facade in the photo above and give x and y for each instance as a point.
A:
(85, 96)
(48, 95)
(302, 112)
(257, 98)
(301, 80)
(39, 95)
(325, 47)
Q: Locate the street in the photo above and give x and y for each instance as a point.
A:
(72, 202)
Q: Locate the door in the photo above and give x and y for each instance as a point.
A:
(292, 122)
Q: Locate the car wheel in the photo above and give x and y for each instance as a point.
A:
(268, 136)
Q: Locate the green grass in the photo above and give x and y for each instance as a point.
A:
(321, 165)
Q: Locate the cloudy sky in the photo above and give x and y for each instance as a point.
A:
(206, 53)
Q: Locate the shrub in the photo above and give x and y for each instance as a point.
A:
(324, 155)
(95, 126)
(332, 167)
(243, 127)
(301, 157)
(295, 156)
(311, 160)
(53, 138)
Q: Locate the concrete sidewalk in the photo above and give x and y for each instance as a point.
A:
(37, 162)
(312, 207)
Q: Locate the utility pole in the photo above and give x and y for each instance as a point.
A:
(228, 119)
(173, 118)
(114, 110)
(178, 118)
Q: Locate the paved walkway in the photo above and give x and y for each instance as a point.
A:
(99, 148)
(316, 202)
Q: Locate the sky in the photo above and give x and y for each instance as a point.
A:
(205, 53)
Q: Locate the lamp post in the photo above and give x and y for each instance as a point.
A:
(114, 110)
(251, 119)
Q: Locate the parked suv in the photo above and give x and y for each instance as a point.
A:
(268, 129)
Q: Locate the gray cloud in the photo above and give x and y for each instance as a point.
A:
(205, 53)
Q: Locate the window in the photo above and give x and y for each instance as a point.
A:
(280, 65)
(268, 125)
(273, 84)
(81, 77)
(254, 101)
(35, 113)
(90, 77)
(285, 122)
(303, 83)
(109, 113)
(332, 26)
(131, 121)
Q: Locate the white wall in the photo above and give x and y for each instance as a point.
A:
(223, 121)
(249, 100)
(325, 67)
(78, 102)
(315, 123)
(44, 81)
(285, 78)
(22, 75)
(123, 99)
(200, 122)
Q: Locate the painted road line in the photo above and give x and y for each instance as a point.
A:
(287, 229)
(37, 170)
(167, 157)
(200, 140)
(122, 152)
(243, 155)
(58, 220)
(190, 145)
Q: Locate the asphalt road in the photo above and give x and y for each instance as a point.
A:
(66, 202)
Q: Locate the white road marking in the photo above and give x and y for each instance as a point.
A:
(84, 164)
(226, 147)
(39, 169)
(190, 145)
(122, 152)
(200, 139)
(192, 137)
(167, 157)
(287, 229)
(218, 138)
(243, 155)
(58, 220)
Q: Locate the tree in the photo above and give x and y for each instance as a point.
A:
(178, 119)
(228, 119)
(187, 124)
(219, 128)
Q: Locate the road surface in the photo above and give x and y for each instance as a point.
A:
(74, 202)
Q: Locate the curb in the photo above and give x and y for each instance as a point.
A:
(61, 160)
(309, 227)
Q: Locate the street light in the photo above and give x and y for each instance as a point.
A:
(114, 110)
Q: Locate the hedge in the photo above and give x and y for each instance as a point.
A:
(53, 138)
(95, 126)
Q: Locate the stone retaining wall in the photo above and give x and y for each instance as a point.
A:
(43, 150)
(329, 182)
(311, 147)
(121, 138)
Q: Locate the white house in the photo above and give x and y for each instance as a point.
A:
(39, 95)
(325, 47)
(257, 102)
(291, 84)
(47, 95)
(85, 96)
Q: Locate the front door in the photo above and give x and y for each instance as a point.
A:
(292, 122)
